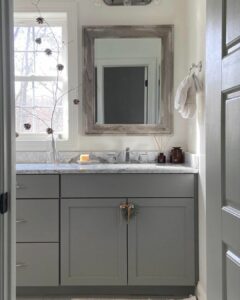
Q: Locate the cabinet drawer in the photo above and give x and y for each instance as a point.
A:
(37, 220)
(37, 264)
(127, 185)
(37, 186)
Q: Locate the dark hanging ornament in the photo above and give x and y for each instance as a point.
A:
(76, 101)
(40, 20)
(27, 126)
(49, 130)
(60, 67)
(48, 51)
(38, 41)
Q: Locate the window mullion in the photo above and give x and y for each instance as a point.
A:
(37, 78)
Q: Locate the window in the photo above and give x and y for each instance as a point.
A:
(40, 84)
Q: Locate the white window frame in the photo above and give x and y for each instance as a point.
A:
(55, 10)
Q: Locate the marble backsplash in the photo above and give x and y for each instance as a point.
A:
(101, 156)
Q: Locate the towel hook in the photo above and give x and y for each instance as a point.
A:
(196, 66)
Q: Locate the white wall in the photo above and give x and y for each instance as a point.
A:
(168, 12)
(196, 126)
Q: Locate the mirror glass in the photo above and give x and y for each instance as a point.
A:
(128, 80)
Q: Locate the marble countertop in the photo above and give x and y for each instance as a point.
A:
(74, 168)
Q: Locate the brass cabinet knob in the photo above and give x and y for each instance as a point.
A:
(127, 209)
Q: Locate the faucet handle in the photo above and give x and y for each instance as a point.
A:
(112, 157)
(143, 157)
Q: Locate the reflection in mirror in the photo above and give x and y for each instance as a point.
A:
(128, 80)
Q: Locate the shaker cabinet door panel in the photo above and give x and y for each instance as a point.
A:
(93, 242)
(161, 242)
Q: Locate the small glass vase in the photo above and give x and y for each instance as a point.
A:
(53, 153)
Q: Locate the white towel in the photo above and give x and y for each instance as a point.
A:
(185, 99)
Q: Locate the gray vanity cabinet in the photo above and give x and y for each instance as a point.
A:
(155, 248)
(161, 242)
(97, 244)
(93, 242)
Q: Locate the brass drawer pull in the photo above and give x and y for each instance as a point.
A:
(130, 213)
(128, 210)
(124, 206)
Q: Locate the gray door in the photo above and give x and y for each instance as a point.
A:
(124, 95)
(7, 137)
(223, 149)
(93, 242)
(161, 242)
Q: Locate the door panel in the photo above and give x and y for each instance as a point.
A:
(231, 200)
(232, 21)
(223, 149)
(161, 242)
(231, 226)
(233, 276)
(230, 67)
(231, 148)
(124, 95)
(93, 242)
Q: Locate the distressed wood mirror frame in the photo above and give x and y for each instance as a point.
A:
(165, 32)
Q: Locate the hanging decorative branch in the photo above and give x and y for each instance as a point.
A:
(59, 68)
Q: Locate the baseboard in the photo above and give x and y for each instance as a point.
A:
(163, 291)
(200, 292)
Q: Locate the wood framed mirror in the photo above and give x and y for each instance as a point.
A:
(128, 79)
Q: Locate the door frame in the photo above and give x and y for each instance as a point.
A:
(7, 154)
(214, 149)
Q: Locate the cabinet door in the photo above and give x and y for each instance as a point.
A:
(161, 242)
(93, 242)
